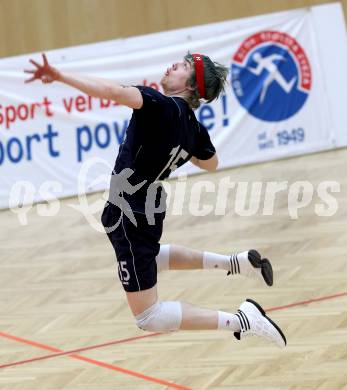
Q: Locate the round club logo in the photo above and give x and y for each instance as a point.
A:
(271, 76)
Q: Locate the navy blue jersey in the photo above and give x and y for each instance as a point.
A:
(162, 135)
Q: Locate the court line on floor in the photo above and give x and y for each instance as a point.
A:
(113, 367)
(309, 301)
(72, 353)
(57, 354)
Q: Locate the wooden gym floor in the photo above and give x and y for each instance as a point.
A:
(65, 324)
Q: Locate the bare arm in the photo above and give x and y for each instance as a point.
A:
(104, 89)
(208, 165)
(92, 86)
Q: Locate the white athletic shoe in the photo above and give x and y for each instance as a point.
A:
(251, 264)
(254, 322)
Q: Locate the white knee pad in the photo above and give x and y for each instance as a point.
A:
(161, 317)
(163, 258)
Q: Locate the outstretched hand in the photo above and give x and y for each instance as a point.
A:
(46, 73)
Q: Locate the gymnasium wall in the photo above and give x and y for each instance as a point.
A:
(28, 26)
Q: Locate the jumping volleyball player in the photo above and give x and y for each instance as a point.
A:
(162, 135)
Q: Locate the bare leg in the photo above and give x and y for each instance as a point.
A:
(193, 317)
(141, 300)
(197, 318)
(247, 263)
(177, 257)
(185, 258)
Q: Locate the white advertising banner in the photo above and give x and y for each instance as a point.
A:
(278, 101)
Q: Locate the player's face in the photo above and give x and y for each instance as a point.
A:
(175, 77)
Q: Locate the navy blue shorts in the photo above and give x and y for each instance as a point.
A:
(136, 247)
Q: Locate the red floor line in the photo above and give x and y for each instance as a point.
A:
(92, 361)
(74, 351)
(29, 342)
(130, 372)
(59, 352)
(307, 302)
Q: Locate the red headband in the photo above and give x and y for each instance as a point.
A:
(199, 74)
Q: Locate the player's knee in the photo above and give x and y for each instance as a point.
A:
(161, 317)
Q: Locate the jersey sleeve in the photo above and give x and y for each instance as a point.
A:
(152, 98)
(204, 148)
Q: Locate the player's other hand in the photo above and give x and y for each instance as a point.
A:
(45, 72)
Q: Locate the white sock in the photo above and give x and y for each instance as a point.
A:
(214, 260)
(228, 321)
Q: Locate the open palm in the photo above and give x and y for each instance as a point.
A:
(46, 73)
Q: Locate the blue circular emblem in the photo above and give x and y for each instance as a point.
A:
(271, 76)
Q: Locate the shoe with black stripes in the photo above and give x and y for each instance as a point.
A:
(251, 264)
(254, 322)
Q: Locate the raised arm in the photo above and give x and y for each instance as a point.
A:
(93, 86)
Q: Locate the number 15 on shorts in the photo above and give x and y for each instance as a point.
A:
(124, 274)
